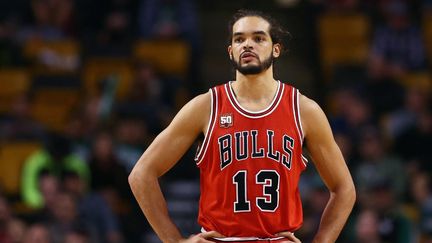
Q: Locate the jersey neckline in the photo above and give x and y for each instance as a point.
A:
(254, 114)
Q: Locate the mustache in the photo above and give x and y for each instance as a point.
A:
(249, 53)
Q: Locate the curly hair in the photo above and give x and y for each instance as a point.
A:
(278, 33)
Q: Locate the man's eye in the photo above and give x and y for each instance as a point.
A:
(238, 40)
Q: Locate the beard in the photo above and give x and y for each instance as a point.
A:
(255, 68)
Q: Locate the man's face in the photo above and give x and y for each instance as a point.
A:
(252, 50)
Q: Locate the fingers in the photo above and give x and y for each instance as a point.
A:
(199, 238)
(290, 236)
(211, 234)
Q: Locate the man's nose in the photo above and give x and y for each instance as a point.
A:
(248, 45)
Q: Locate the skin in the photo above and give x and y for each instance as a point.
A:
(254, 92)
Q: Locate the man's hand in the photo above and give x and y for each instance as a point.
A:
(290, 237)
(202, 237)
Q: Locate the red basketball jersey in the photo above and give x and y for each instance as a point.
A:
(250, 165)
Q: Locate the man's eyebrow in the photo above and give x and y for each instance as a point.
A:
(260, 32)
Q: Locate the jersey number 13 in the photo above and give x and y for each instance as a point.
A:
(269, 202)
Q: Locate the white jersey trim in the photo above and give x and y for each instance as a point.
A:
(304, 160)
(210, 126)
(294, 109)
(229, 239)
(228, 89)
(299, 115)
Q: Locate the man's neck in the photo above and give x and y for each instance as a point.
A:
(258, 86)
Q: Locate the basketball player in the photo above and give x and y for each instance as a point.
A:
(251, 158)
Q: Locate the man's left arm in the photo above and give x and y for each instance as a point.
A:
(332, 168)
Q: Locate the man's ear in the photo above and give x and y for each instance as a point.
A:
(230, 52)
(277, 48)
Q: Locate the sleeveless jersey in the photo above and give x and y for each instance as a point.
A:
(250, 164)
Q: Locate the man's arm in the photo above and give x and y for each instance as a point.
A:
(160, 156)
(332, 168)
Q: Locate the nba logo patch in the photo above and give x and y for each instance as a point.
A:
(226, 120)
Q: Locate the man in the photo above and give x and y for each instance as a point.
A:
(54, 159)
(251, 157)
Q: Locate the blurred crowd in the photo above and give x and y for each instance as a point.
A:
(381, 114)
(72, 186)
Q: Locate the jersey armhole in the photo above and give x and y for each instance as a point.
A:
(212, 121)
(297, 115)
(297, 120)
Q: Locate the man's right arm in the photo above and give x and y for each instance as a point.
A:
(164, 152)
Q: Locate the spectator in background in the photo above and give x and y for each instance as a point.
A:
(10, 53)
(147, 87)
(109, 176)
(79, 131)
(421, 191)
(93, 110)
(376, 165)
(167, 19)
(416, 101)
(77, 235)
(11, 228)
(316, 199)
(146, 94)
(53, 20)
(108, 25)
(151, 96)
(172, 20)
(131, 138)
(345, 144)
(16, 229)
(367, 227)
(18, 123)
(55, 158)
(37, 233)
(117, 26)
(414, 144)
(397, 45)
(49, 185)
(64, 217)
(106, 170)
(394, 225)
(93, 209)
(64, 16)
(396, 49)
(352, 112)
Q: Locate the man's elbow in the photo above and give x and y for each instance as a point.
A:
(141, 176)
(135, 177)
(132, 179)
(352, 194)
(348, 191)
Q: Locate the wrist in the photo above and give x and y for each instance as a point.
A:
(181, 240)
(320, 239)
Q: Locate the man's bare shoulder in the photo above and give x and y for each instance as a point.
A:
(308, 106)
(195, 114)
(311, 114)
(201, 102)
